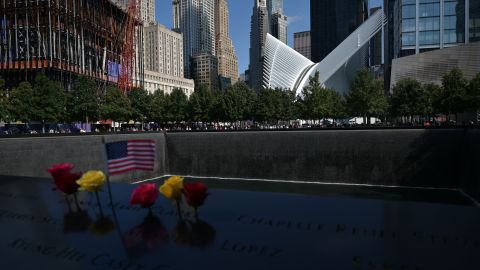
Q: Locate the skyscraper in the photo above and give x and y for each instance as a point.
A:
(278, 26)
(267, 17)
(258, 32)
(376, 45)
(332, 22)
(416, 26)
(195, 20)
(302, 43)
(275, 6)
(227, 60)
(474, 21)
(164, 60)
(278, 21)
(147, 9)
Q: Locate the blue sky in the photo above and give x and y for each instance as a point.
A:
(298, 12)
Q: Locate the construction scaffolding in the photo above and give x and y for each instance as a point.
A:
(67, 38)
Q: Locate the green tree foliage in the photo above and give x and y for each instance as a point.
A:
(83, 102)
(22, 102)
(289, 109)
(142, 104)
(176, 106)
(159, 104)
(275, 104)
(410, 99)
(48, 99)
(474, 93)
(238, 102)
(453, 97)
(434, 92)
(366, 97)
(217, 113)
(200, 104)
(320, 102)
(4, 110)
(268, 106)
(115, 105)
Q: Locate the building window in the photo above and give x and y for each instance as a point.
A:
(429, 24)
(408, 11)
(450, 8)
(429, 38)
(408, 25)
(429, 10)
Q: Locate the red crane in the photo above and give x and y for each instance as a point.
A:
(125, 81)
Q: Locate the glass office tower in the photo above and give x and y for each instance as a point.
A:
(416, 26)
(474, 20)
(333, 21)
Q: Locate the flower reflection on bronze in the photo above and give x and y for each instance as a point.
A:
(102, 226)
(196, 234)
(146, 237)
(76, 221)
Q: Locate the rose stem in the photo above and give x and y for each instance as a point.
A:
(68, 203)
(178, 209)
(196, 213)
(76, 201)
(99, 205)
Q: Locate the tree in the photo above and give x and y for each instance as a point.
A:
(141, 103)
(238, 102)
(453, 97)
(474, 93)
(268, 105)
(176, 106)
(4, 110)
(22, 102)
(338, 105)
(366, 97)
(434, 92)
(83, 102)
(410, 99)
(48, 100)
(217, 112)
(289, 108)
(115, 105)
(200, 104)
(320, 102)
(159, 104)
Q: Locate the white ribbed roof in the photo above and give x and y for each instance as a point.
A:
(286, 68)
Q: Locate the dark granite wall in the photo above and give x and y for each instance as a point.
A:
(32, 156)
(448, 158)
(428, 158)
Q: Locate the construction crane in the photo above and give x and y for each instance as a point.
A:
(125, 81)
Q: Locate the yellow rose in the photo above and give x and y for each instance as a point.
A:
(92, 181)
(172, 187)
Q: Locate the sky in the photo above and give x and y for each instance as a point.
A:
(297, 11)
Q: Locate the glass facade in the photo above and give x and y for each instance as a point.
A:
(434, 23)
(409, 23)
(333, 21)
(275, 6)
(474, 21)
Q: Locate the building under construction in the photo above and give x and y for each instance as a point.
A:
(68, 38)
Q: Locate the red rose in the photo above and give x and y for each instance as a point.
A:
(63, 179)
(145, 195)
(195, 193)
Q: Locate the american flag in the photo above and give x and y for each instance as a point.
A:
(130, 155)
